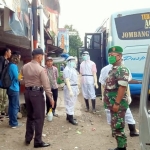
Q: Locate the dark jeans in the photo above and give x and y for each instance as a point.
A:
(13, 108)
(55, 96)
(35, 105)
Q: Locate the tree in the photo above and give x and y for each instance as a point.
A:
(74, 41)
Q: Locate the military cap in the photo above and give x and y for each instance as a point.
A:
(115, 49)
(38, 51)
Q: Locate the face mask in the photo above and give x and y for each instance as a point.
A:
(85, 57)
(112, 59)
(73, 64)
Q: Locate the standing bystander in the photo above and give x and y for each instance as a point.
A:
(6, 54)
(52, 73)
(13, 91)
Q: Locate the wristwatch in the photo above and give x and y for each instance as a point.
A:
(117, 103)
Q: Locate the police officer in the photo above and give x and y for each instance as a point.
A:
(36, 81)
(115, 96)
(70, 89)
(89, 80)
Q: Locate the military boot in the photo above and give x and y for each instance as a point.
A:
(133, 130)
(87, 105)
(72, 121)
(93, 106)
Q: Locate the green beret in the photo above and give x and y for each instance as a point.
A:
(115, 49)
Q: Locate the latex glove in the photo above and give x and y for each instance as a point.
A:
(69, 87)
(96, 85)
(129, 100)
(95, 80)
(78, 91)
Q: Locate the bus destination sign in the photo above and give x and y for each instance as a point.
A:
(136, 26)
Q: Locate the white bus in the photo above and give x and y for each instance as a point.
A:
(130, 30)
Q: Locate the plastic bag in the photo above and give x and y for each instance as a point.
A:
(50, 115)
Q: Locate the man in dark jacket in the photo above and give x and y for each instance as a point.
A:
(6, 53)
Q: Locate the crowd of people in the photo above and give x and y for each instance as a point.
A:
(115, 91)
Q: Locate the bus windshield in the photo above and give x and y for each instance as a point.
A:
(133, 27)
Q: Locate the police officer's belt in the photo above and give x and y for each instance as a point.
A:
(34, 88)
(86, 75)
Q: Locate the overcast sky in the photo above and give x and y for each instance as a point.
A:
(87, 15)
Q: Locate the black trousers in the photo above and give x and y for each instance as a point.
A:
(35, 105)
(55, 96)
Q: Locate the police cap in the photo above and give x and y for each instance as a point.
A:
(38, 51)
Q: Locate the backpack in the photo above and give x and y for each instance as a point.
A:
(5, 79)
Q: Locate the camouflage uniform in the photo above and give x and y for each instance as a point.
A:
(118, 76)
(3, 100)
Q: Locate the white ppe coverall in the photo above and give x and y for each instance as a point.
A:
(87, 68)
(71, 74)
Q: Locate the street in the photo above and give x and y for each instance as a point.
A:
(92, 132)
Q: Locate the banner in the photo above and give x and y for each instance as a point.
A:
(63, 39)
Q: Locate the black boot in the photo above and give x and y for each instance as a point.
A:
(93, 106)
(71, 120)
(133, 131)
(67, 117)
(87, 105)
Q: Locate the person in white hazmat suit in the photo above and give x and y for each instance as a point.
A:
(128, 116)
(70, 89)
(88, 80)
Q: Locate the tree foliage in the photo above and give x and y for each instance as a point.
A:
(74, 41)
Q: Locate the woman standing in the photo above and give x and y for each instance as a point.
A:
(13, 91)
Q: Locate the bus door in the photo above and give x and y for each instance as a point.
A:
(144, 124)
(93, 44)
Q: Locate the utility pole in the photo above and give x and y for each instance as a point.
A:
(35, 23)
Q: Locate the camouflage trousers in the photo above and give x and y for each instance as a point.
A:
(118, 125)
(3, 100)
(117, 119)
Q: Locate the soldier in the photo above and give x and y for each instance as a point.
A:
(36, 81)
(128, 116)
(115, 96)
(70, 89)
(89, 80)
